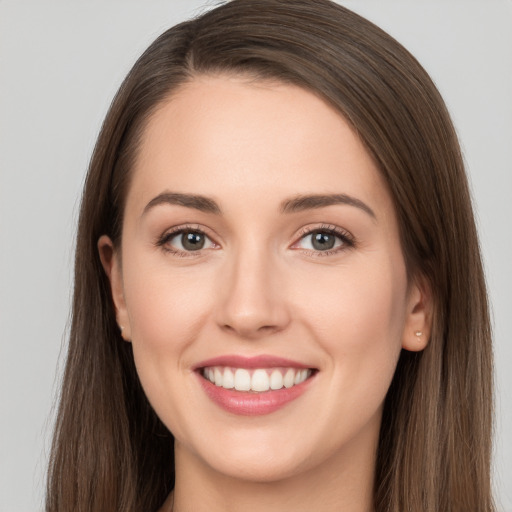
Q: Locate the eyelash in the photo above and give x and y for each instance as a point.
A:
(169, 235)
(346, 238)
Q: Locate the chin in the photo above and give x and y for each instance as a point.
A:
(260, 456)
(261, 468)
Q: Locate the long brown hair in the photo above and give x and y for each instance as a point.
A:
(110, 451)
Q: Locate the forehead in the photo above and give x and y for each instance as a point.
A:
(231, 138)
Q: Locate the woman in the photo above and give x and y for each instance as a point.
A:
(279, 300)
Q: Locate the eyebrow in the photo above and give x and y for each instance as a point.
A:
(296, 204)
(310, 202)
(197, 202)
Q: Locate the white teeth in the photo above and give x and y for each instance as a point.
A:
(242, 380)
(300, 376)
(289, 378)
(229, 379)
(259, 380)
(218, 377)
(276, 380)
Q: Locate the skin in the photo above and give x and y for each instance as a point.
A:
(259, 287)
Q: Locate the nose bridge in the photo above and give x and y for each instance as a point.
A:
(252, 302)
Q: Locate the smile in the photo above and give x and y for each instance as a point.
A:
(258, 380)
(253, 386)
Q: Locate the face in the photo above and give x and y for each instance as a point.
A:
(260, 250)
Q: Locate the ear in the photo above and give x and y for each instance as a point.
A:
(111, 264)
(418, 321)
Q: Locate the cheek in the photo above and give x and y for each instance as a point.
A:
(355, 299)
(166, 309)
(167, 312)
(357, 314)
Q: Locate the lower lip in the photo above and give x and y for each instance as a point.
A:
(247, 403)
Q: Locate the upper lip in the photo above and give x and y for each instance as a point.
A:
(261, 361)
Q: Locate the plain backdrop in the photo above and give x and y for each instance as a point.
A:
(60, 65)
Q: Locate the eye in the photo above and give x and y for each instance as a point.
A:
(325, 240)
(186, 240)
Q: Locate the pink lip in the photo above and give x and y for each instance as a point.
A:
(263, 361)
(246, 403)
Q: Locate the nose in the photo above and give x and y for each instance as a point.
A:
(252, 299)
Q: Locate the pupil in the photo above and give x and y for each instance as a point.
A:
(192, 241)
(323, 241)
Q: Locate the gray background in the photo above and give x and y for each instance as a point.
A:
(60, 64)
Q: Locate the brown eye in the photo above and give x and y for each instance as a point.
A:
(192, 240)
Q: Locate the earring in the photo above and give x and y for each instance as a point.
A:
(418, 334)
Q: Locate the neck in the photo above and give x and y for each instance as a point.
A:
(342, 482)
